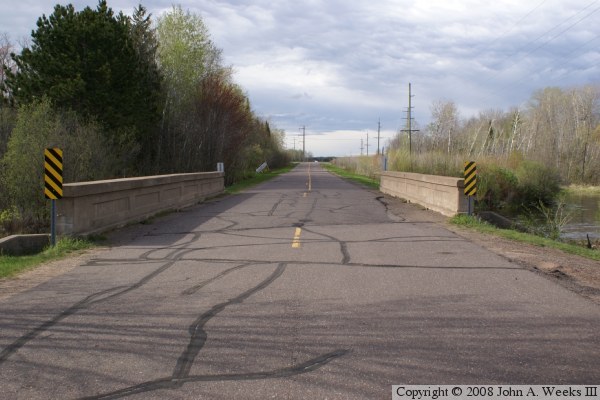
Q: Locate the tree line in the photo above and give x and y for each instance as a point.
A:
(123, 96)
(524, 154)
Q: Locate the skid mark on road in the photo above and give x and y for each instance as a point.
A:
(199, 286)
(198, 334)
(32, 334)
(301, 204)
(361, 265)
(94, 298)
(313, 206)
(343, 245)
(172, 383)
(277, 203)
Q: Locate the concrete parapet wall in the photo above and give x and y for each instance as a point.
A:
(88, 207)
(439, 193)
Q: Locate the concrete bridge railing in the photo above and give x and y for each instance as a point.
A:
(439, 193)
(88, 207)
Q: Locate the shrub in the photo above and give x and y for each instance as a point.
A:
(7, 122)
(9, 221)
(536, 184)
(279, 159)
(87, 155)
(497, 186)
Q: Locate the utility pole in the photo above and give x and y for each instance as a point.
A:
(367, 143)
(303, 142)
(378, 133)
(294, 137)
(409, 120)
(361, 146)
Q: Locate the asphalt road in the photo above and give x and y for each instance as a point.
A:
(304, 287)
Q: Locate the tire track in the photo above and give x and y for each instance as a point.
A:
(172, 383)
(343, 245)
(94, 298)
(199, 286)
(199, 335)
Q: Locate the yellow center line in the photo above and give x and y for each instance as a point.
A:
(296, 242)
(309, 183)
(309, 179)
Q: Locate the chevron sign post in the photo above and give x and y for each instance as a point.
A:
(470, 182)
(53, 184)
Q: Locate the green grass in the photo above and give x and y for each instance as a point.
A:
(582, 190)
(12, 265)
(364, 180)
(484, 227)
(256, 179)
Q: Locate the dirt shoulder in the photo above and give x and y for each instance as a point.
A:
(40, 274)
(576, 273)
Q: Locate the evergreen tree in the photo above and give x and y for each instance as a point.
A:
(146, 46)
(87, 61)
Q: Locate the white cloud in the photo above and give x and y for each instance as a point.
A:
(337, 66)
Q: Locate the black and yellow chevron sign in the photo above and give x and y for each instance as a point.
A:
(470, 178)
(53, 169)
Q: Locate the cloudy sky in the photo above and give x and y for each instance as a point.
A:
(339, 66)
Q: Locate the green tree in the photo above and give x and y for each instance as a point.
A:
(188, 63)
(87, 155)
(145, 43)
(186, 54)
(86, 61)
(207, 117)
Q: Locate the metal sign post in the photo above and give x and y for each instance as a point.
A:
(53, 184)
(53, 222)
(470, 183)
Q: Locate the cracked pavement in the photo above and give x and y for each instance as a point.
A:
(217, 302)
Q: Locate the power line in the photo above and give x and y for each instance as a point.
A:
(514, 53)
(565, 30)
(511, 86)
(512, 27)
(566, 72)
(514, 57)
(514, 24)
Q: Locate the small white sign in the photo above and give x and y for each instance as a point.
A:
(262, 167)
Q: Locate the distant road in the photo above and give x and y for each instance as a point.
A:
(302, 288)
